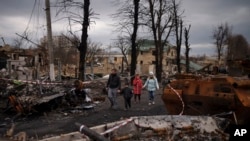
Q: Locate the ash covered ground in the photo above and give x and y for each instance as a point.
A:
(60, 118)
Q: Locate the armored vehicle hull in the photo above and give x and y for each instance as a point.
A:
(218, 95)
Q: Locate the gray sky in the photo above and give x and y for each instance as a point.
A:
(203, 15)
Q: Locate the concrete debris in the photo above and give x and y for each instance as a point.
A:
(157, 128)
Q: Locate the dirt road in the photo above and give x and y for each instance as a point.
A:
(63, 120)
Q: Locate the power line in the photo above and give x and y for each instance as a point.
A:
(32, 12)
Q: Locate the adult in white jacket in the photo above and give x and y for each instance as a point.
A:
(151, 85)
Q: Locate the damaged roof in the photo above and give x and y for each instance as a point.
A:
(192, 65)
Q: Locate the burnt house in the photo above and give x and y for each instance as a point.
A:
(146, 58)
(22, 63)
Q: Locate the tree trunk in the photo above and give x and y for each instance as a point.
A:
(133, 39)
(158, 29)
(157, 60)
(187, 59)
(221, 35)
(186, 34)
(122, 67)
(83, 46)
(178, 35)
(154, 30)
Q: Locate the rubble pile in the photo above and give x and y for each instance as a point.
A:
(154, 128)
(96, 90)
(25, 97)
(181, 128)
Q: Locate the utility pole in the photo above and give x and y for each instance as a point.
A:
(49, 38)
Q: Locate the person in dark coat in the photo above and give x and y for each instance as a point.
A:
(127, 95)
(113, 87)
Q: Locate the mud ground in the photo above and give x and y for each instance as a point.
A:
(61, 120)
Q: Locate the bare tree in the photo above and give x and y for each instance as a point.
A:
(133, 38)
(158, 18)
(74, 8)
(84, 39)
(221, 34)
(128, 15)
(178, 25)
(123, 44)
(62, 49)
(186, 35)
(94, 48)
(17, 43)
(237, 47)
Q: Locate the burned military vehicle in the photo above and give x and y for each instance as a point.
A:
(24, 97)
(215, 95)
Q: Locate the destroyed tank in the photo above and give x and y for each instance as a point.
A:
(239, 67)
(223, 96)
(25, 97)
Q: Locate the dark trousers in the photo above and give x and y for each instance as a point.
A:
(137, 95)
(127, 101)
(112, 94)
(151, 96)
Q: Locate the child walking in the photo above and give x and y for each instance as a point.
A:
(127, 95)
(152, 85)
(137, 87)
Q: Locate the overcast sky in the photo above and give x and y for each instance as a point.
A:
(203, 15)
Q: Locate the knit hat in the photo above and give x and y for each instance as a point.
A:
(151, 73)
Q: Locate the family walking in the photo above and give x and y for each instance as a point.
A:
(114, 87)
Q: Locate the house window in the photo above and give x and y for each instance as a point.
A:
(40, 58)
(141, 52)
(13, 67)
(172, 53)
(153, 53)
(15, 57)
(154, 62)
(141, 62)
(115, 58)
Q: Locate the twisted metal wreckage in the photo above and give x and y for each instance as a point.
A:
(223, 96)
(24, 97)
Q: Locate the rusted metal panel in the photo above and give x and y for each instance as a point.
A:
(244, 96)
(209, 96)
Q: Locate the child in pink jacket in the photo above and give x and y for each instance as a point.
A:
(137, 88)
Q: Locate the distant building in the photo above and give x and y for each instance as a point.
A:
(193, 67)
(146, 58)
(105, 61)
(21, 63)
